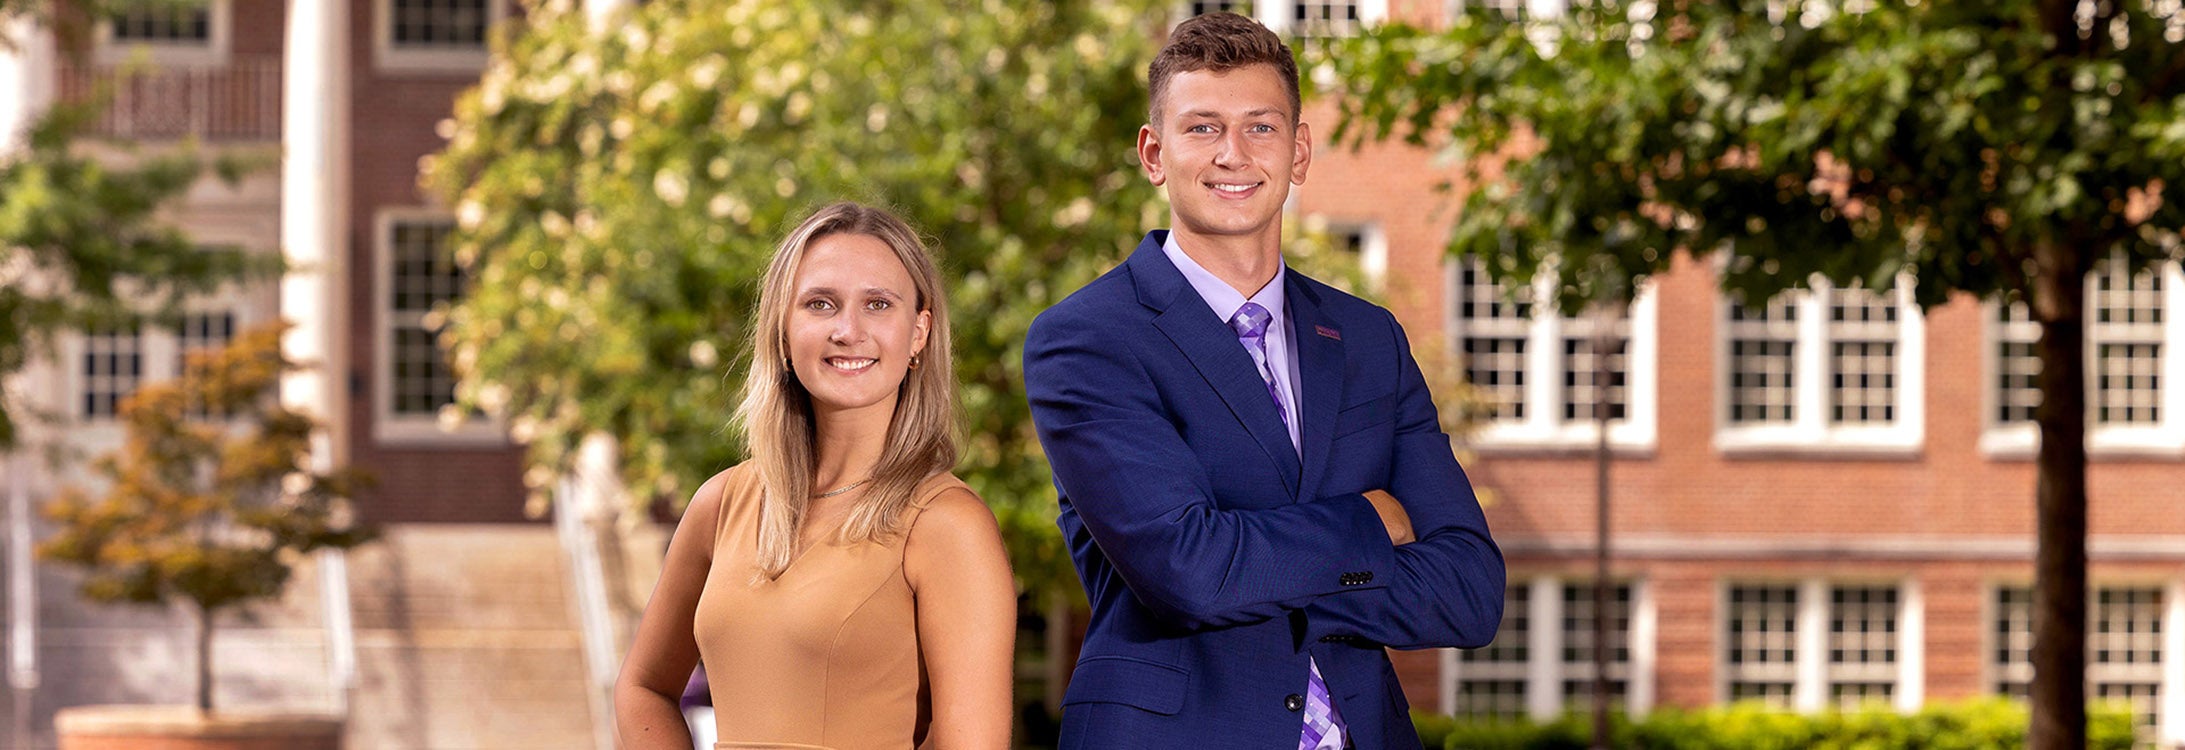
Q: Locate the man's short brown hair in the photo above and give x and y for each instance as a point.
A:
(1219, 42)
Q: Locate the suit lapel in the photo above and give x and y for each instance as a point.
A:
(1213, 350)
(1320, 365)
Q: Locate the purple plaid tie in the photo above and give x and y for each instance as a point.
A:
(1321, 719)
(1251, 325)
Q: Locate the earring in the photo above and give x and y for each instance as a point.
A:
(914, 361)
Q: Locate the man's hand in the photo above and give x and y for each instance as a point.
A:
(1393, 517)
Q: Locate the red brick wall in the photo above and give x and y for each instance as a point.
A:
(393, 116)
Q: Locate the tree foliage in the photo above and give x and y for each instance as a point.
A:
(82, 245)
(210, 498)
(1798, 139)
(2001, 150)
(620, 191)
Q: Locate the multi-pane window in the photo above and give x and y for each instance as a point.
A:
(422, 276)
(1862, 644)
(1829, 367)
(1578, 619)
(1490, 681)
(1596, 353)
(1862, 329)
(1762, 643)
(201, 334)
(2127, 366)
(2017, 365)
(2126, 348)
(1202, 7)
(1326, 18)
(164, 23)
(2123, 641)
(1542, 372)
(438, 24)
(1763, 361)
(112, 365)
(2124, 644)
(2012, 629)
(1493, 328)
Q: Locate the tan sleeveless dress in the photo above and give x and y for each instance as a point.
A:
(826, 656)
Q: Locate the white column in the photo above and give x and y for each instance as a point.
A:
(27, 77)
(315, 291)
(314, 214)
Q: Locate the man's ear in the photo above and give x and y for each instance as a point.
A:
(1149, 155)
(1304, 158)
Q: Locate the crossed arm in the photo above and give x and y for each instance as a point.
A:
(1149, 504)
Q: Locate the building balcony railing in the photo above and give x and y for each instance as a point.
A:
(237, 101)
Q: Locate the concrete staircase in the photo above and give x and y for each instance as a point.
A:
(465, 638)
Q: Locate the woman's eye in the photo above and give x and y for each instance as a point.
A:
(878, 304)
(819, 305)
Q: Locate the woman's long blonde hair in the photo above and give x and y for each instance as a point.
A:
(776, 414)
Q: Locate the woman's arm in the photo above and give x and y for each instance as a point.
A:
(967, 620)
(664, 650)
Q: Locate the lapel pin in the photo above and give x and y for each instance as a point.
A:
(1328, 332)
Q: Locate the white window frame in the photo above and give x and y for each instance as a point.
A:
(388, 427)
(1544, 649)
(159, 353)
(2170, 702)
(1543, 427)
(219, 25)
(1372, 248)
(2020, 441)
(1811, 428)
(1810, 658)
(1276, 16)
(388, 57)
(1532, 8)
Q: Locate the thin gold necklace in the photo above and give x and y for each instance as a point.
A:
(842, 489)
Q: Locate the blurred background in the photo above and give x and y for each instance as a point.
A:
(516, 244)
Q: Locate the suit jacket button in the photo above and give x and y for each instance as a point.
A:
(1294, 702)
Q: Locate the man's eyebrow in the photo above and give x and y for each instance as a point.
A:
(1213, 115)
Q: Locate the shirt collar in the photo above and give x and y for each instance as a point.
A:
(1220, 296)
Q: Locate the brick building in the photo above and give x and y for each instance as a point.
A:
(457, 629)
(1822, 500)
(1817, 501)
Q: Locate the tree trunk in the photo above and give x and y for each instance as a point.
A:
(2059, 591)
(204, 659)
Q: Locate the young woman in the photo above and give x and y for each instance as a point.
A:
(843, 588)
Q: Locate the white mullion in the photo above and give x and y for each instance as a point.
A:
(1809, 692)
(1273, 15)
(2173, 352)
(1544, 360)
(1911, 356)
(1911, 646)
(1544, 644)
(1641, 335)
(1809, 373)
(1639, 674)
(2170, 718)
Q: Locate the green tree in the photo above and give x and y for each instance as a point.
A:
(81, 245)
(210, 498)
(1999, 150)
(619, 192)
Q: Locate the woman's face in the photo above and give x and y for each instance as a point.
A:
(853, 325)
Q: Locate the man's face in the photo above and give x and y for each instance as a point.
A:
(1228, 148)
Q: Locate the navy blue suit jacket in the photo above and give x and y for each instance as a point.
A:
(1217, 561)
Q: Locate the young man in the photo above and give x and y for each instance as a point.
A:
(1254, 485)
